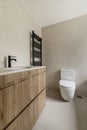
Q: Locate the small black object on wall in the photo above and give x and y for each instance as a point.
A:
(36, 50)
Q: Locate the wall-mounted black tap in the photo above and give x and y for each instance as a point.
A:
(10, 58)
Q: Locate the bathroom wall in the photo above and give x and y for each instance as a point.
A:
(66, 47)
(15, 27)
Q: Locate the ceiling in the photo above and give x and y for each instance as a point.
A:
(47, 12)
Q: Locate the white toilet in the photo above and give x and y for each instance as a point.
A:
(67, 84)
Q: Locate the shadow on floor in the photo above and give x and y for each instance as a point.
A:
(54, 94)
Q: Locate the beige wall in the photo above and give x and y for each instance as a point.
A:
(15, 27)
(66, 47)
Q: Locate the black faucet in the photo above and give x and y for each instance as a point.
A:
(10, 58)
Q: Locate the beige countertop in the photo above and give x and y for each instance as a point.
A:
(5, 71)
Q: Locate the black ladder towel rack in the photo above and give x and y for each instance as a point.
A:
(36, 50)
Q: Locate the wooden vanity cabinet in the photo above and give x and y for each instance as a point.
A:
(22, 99)
(27, 119)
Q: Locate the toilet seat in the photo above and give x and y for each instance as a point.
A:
(67, 84)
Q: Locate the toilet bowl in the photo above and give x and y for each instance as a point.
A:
(67, 84)
(67, 89)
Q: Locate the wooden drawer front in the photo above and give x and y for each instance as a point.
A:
(27, 119)
(41, 70)
(41, 101)
(1, 82)
(13, 100)
(34, 72)
(34, 87)
(39, 104)
(23, 121)
(24, 87)
(37, 71)
(37, 85)
(24, 75)
(11, 79)
(42, 81)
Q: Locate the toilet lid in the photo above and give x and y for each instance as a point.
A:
(65, 83)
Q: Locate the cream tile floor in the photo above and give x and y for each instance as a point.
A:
(58, 115)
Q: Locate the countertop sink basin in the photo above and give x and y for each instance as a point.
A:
(3, 70)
